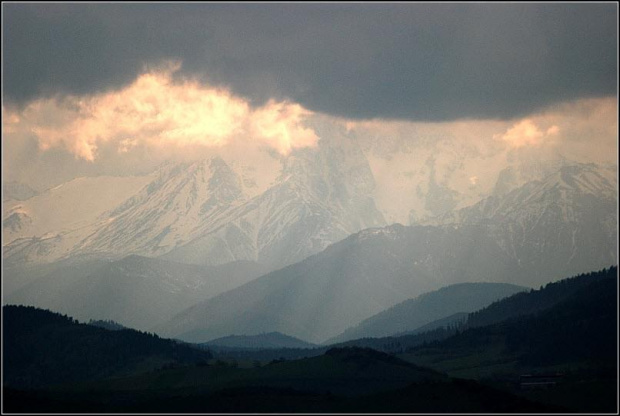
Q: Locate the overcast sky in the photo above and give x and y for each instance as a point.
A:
(80, 77)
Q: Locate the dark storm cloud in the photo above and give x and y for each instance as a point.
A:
(407, 61)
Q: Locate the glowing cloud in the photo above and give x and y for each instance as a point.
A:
(280, 126)
(156, 111)
(526, 133)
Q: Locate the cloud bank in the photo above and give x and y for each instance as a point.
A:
(421, 62)
(157, 112)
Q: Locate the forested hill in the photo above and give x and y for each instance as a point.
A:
(528, 303)
(43, 348)
(580, 331)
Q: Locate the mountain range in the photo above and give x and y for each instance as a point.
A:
(207, 212)
(205, 249)
(377, 268)
(276, 212)
(563, 224)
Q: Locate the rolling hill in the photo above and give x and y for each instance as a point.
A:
(412, 314)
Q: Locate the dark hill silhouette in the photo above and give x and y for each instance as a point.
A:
(527, 303)
(43, 348)
(341, 380)
(582, 328)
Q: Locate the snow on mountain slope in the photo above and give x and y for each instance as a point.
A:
(563, 188)
(422, 177)
(565, 195)
(568, 219)
(48, 225)
(184, 199)
(71, 205)
(321, 197)
(209, 212)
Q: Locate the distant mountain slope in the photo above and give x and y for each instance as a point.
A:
(534, 301)
(368, 272)
(17, 276)
(261, 341)
(44, 348)
(350, 281)
(137, 292)
(567, 296)
(413, 313)
(455, 320)
(579, 330)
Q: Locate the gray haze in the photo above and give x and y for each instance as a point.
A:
(404, 61)
(138, 292)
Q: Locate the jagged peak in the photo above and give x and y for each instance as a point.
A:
(568, 183)
(586, 178)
